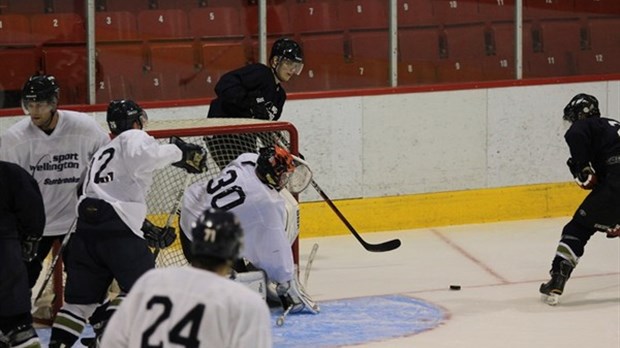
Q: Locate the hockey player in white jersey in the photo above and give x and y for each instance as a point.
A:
(194, 306)
(54, 146)
(250, 187)
(109, 242)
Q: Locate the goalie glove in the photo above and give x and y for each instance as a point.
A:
(194, 157)
(30, 247)
(585, 176)
(158, 237)
(292, 293)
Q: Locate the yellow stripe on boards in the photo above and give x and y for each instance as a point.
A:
(441, 209)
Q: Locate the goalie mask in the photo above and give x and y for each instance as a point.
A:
(122, 114)
(582, 106)
(274, 166)
(40, 88)
(217, 234)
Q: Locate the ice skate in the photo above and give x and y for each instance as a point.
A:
(553, 289)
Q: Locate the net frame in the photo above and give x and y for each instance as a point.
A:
(161, 199)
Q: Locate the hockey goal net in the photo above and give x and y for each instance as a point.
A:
(224, 139)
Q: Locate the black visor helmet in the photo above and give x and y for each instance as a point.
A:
(122, 114)
(217, 234)
(580, 107)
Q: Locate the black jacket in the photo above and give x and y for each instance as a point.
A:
(248, 92)
(21, 205)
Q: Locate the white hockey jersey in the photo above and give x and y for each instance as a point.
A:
(121, 174)
(260, 209)
(56, 161)
(186, 306)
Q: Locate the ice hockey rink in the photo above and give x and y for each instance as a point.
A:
(402, 298)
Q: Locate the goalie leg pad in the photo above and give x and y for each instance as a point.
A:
(292, 215)
(255, 280)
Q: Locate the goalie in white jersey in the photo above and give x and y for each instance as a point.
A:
(252, 187)
(109, 242)
(54, 146)
(194, 306)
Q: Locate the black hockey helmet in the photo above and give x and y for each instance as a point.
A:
(274, 166)
(581, 106)
(287, 48)
(122, 114)
(40, 88)
(217, 234)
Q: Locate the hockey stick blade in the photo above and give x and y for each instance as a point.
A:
(381, 247)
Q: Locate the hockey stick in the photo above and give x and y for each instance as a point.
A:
(280, 320)
(311, 257)
(175, 209)
(50, 272)
(381, 247)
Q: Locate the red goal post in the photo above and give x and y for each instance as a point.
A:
(224, 138)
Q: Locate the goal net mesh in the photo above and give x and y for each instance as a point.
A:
(224, 140)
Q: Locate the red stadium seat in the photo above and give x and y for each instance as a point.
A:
(495, 11)
(14, 29)
(315, 17)
(18, 65)
(597, 7)
(121, 69)
(549, 48)
(561, 35)
(450, 12)
(58, 27)
(216, 22)
(278, 19)
(133, 6)
(185, 5)
(68, 65)
(541, 9)
(217, 59)
(115, 26)
(415, 13)
(499, 62)
(180, 67)
(465, 51)
(363, 14)
(25, 6)
(162, 24)
(66, 6)
(418, 54)
(368, 65)
(602, 53)
(324, 57)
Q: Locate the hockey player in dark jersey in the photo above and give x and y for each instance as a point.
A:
(594, 144)
(22, 220)
(254, 91)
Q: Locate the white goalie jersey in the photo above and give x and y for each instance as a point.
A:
(173, 307)
(261, 211)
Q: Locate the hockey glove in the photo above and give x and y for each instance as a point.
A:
(613, 232)
(585, 176)
(194, 157)
(30, 246)
(261, 109)
(291, 293)
(158, 237)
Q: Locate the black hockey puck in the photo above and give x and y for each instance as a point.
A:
(455, 287)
